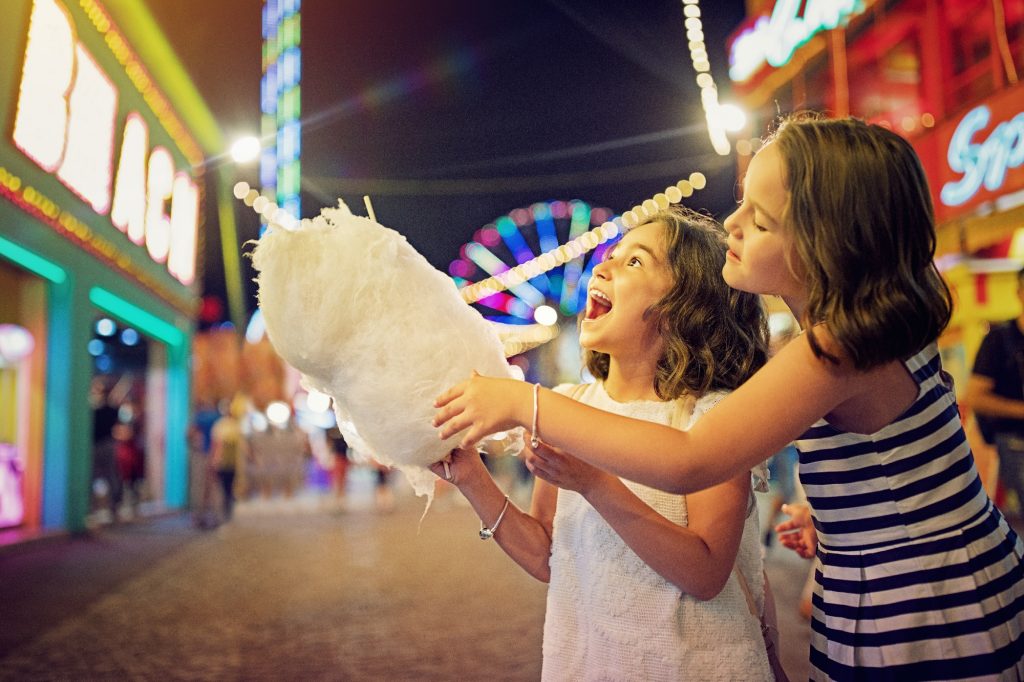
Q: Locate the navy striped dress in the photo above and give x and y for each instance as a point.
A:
(918, 575)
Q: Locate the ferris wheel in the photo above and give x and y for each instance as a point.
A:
(533, 264)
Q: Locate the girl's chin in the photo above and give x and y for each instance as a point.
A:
(732, 276)
(587, 342)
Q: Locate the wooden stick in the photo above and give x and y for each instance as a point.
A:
(369, 207)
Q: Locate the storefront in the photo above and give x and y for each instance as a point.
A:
(975, 164)
(101, 205)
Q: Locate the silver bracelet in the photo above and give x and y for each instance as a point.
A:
(534, 440)
(488, 533)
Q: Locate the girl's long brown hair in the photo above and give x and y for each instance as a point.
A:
(715, 337)
(862, 218)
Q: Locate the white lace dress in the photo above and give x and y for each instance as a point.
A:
(611, 617)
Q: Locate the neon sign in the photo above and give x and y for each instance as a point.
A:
(984, 163)
(65, 122)
(774, 39)
(280, 102)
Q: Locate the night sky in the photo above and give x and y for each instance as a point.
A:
(451, 113)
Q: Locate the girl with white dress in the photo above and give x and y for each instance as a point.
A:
(644, 584)
(917, 575)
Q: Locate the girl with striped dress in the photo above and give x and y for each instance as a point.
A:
(918, 575)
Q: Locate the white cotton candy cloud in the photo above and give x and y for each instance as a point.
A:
(367, 320)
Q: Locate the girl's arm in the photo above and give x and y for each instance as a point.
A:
(773, 408)
(696, 558)
(526, 538)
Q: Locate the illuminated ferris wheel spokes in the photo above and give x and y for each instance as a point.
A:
(536, 252)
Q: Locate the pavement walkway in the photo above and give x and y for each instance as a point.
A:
(291, 590)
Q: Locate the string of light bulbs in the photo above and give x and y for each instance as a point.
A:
(706, 82)
(583, 243)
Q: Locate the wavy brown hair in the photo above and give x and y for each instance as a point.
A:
(864, 232)
(715, 337)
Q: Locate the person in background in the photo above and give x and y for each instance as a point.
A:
(130, 464)
(995, 391)
(204, 483)
(106, 482)
(338, 448)
(228, 449)
(383, 495)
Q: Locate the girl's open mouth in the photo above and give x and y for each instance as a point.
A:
(598, 305)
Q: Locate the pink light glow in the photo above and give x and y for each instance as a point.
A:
(489, 236)
(521, 217)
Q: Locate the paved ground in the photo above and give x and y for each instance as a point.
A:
(296, 591)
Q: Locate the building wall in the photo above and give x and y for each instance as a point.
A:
(81, 266)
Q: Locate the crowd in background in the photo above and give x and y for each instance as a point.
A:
(240, 454)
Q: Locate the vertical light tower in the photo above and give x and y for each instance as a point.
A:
(280, 173)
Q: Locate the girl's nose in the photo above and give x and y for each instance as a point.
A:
(731, 224)
(601, 270)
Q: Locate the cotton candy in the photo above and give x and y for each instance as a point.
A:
(368, 321)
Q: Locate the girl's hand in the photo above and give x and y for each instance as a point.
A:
(481, 406)
(464, 466)
(798, 533)
(561, 469)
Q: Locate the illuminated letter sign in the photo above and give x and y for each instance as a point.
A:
(774, 40)
(184, 223)
(129, 211)
(66, 107)
(982, 163)
(65, 122)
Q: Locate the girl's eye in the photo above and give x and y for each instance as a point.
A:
(634, 261)
(760, 228)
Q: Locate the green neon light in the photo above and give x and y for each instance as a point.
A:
(136, 316)
(32, 262)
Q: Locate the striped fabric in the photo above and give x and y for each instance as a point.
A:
(918, 575)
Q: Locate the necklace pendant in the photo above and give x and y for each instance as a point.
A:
(486, 533)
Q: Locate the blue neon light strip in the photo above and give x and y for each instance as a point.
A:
(280, 102)
(509, 232)
(136, 316)
(32, 262)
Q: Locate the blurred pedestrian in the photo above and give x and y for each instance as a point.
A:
(130, 465)
(204, 483)
(228, 449)
(383, 496)
(106, 483)
(995, 391)
(338, 448)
